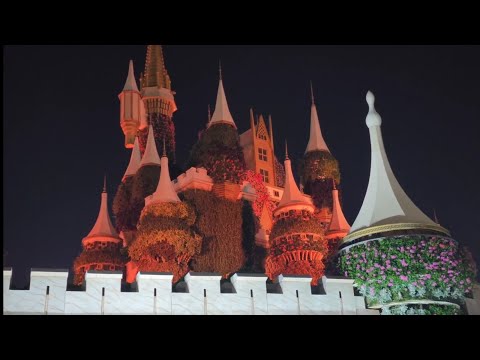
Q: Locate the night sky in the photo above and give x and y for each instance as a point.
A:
(61, 127)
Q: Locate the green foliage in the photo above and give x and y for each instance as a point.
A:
(218, 150)
(409, 267)
(424, 309)
(319, 165)
(219, 222)
(297, 224)
(121, 206)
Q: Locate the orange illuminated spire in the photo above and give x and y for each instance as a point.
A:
(221, 115)
(150, 156)
(135, 159)
(103, 227)
(292, 197)
(165, 191)
(316, 141)
(339, 226)
(155, 71)
(130, 84)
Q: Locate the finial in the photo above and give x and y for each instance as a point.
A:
(220, 68)
(105, 183)
(164, 149)
(286, 150)
(334, 185)
(373, 118)
(311, 90)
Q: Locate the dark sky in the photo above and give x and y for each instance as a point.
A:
(62, 133)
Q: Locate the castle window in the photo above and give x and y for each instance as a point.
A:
(262, 154)
(276, 193)
(264, 174)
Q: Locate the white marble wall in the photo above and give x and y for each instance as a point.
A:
(249, 297)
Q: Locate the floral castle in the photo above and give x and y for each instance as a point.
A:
(237, 209)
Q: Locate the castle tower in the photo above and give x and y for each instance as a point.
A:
(164, 241)
(150, 155)
(401, 260)
(297, 242)
(159, 101)
(101, 247)
(319, 167)
(258, 149)
(131, 108)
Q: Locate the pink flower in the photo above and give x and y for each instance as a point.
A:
(403, 277)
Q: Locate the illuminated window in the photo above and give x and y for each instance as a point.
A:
(262, 154)
(264, 174)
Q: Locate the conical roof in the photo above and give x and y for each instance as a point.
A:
(135, 159)
(221, 115)
(130, 84)
(292, 195)
(150, 156)
(316, 141)
(103, 227)
(165, 191)
(386, 206)
(338, 223)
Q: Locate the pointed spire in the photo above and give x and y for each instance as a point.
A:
(220, 69)
(291, 194)
(130, 84)
(270, 130)
(155, 73)
(135, 159)
(221, 115)
(165, 191)
(150, 156)
(103, 226)
(316, 141)
(385, 202)
(338, 224)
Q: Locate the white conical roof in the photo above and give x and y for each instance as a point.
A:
(221, 115)
(385, 201)
(316, 141)
(338, 222)
(103, 226)
(291, 194)
(135, 159)
(165, 191)
(150, 156)
(130, 84)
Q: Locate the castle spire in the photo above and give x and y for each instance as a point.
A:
(135, 159)
(165, 191)
(339, 226)
(150, 156)
(103, 227)
(155, 74)
(221, 115)
(130, 84)
(316, 141)
(130, 108)
(385, 202)
(292, 197)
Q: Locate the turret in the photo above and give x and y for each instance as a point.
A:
(221, 115)
(130, 108)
